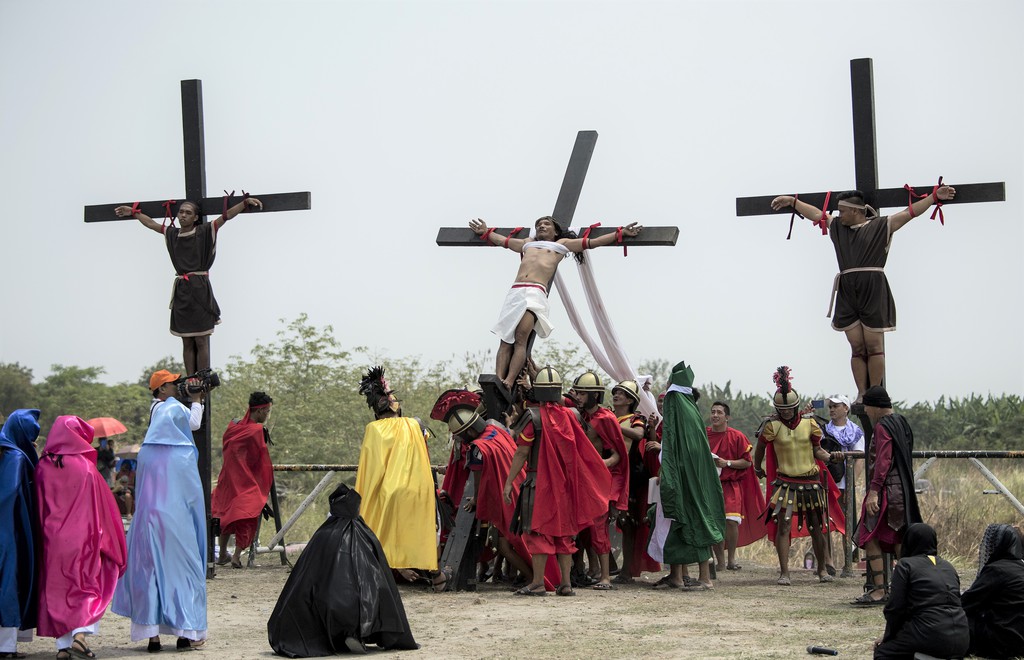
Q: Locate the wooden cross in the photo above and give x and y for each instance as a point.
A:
(866, 163)
(195, 190)
(866, 174)
(495, 396)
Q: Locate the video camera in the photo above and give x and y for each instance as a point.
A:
(208, 379)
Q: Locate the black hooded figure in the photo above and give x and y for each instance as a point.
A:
(341, 593)
(995, 602)
(923, 613)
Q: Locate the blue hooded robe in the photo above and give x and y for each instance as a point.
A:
(18, 538)
(165, 584)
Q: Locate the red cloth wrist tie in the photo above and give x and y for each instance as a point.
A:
(486, 236)
(938, 204)
(586, 235)
(823, 220)
(135, 208)
(227, 203)
(618, 239)
(511, 235)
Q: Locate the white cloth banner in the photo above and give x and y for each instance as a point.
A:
(612, 358)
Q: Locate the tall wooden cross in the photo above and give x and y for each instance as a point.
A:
(866, 162)
(565, 209)
(866, 173)
(195, 190)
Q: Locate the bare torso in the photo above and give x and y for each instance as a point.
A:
(538, 265)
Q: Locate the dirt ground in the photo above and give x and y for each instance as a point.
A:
(747, 616)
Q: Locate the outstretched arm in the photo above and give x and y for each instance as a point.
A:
(578, 245)
(897, 220)
(250, 202)
(803, 208)
(480, 228)
(126, 211)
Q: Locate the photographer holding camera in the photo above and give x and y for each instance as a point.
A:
(165, 385)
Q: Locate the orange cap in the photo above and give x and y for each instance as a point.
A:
(161, 377)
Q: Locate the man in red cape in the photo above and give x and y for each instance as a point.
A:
(566, 487)
(83, 544)
(744, 501)
(602, 427)
(800, 492)
(487, 450)
(245, 479)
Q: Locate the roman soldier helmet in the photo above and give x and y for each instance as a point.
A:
(785, 396)
(379, 395)
(547, 385)
(590, 382)
(460, 410)
(630, 389)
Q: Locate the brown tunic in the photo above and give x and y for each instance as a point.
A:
(863, 297)
(194, 310)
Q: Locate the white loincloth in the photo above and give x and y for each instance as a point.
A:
(523, 297)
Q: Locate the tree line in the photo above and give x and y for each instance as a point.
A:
(319, 416)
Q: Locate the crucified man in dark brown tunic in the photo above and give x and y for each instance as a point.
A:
(864, 308)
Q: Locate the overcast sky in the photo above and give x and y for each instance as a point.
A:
(401, 118)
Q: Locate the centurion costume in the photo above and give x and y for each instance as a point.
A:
(794, 490)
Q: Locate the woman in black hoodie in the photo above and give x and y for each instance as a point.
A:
(923, 613)
(995, 602)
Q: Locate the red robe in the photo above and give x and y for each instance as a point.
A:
(741, 489)
(456, 476)
(243, 484)
(606, 428)
(572, 480)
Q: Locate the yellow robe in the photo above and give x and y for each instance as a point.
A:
(397, 490)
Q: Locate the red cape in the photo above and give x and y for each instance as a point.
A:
(837, 520)
(606, 426)
(572, 480)
(246, 475)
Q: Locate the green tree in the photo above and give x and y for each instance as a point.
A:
(16, 389)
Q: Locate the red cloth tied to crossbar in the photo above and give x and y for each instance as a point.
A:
(167, 212)
(586, 235)
(935, 195)
(227, 202)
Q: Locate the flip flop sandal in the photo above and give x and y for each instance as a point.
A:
(700, 586)
(526, 591)
(601, 586)
(16, 654)
(63, 654)
(665, 583)
(565, 591)
(689, 581)
(830, 569)
(153, 647)
(442, 586)
(825, 577)
(623, 578)
(784, 581)
(865, 599)
(185, 644)
(735, 567)
(80, 649)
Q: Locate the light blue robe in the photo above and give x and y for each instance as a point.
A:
(165, 584)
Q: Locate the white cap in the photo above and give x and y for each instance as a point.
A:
(840, 398)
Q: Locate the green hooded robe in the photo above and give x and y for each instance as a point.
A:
(691, 493)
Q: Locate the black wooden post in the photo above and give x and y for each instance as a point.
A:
(195, 190)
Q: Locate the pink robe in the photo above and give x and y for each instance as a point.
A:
(83, 544)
